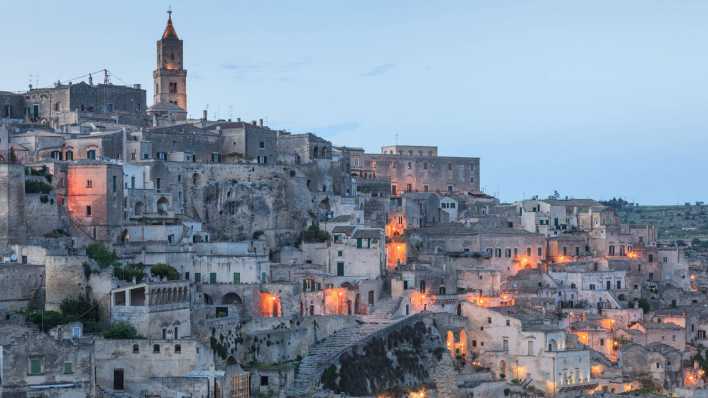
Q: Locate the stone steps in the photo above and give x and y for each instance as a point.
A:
(326, 351)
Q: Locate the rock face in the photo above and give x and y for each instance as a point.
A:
(396, 360)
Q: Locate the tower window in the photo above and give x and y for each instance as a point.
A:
(173, 88)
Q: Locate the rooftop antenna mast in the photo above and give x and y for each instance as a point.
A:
(396, 139)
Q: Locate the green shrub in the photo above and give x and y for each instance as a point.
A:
(79, 309)
(121, 331)
(313, 234)
(101, 255)
(46, 320)
(164, 271)
(37, 187)
(130, 271)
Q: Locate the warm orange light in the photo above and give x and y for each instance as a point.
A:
(583, 338)
(335, 301)
(607, 324)
(418, 394)
(597, 370)
(270, 305)
(632, 254)
(395, 254)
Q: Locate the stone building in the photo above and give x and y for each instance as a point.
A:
(157, 310)
(33, 363)
(302, 148)
(248, 142)
(170, 76)
(70, 104)
(12, 106)
(155, 367)
(12, 203)
(419, 170)
(94, 198)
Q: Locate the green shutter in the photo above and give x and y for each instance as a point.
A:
(358, 243)
(212, 277)
(35, 366)
(68, 368)
(237, 278)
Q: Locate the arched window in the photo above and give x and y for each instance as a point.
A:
(91, 154)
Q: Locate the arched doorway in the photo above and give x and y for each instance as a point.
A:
(231, 299)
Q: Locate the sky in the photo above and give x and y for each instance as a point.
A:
(593, 99)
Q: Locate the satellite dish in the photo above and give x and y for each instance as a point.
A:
(13, 258)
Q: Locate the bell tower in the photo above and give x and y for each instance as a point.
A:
(170, 76)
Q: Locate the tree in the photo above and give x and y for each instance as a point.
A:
(101, 255)
(313, 234)
(164, 271)
(121, 331)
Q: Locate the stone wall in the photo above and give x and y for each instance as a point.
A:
(19, 283)
(12, 203)
(64, 279)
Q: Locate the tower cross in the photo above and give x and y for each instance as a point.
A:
(169, 12)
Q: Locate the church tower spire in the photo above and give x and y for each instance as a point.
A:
(170, 76)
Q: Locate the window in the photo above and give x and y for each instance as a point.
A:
(340, 268)
(425, 188)
(89, 183)
(91, 155)
(450, 188)
(68, 368)
(371, 297)
(409, 188)
(508, 322)
(76, 331)
(540, 252)
(35, 366)
(340, 253)
(264, 380)
(212, 277)
(197, 277)
(173, 88)
(528, 251)
(136, 349)
(261, 145)
(132, 182)
(489, 320)
(88, 211)
(115, 183)
(156, 347)
(178, 349)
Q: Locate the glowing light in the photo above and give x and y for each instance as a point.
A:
(418, 394)
(270, 305)
(335, 301)
(597, 370)
(632, 254)
(396, 254)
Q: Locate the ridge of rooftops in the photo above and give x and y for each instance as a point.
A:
(473, 229)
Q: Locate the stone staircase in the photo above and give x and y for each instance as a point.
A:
(444, 376)
(325, 353)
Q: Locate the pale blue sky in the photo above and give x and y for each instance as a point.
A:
(595, 98)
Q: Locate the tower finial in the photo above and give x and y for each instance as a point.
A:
(169, 11)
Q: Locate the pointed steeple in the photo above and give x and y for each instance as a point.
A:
(169, 29)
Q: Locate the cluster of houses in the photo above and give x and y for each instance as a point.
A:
(223, 258)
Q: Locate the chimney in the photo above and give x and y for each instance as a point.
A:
(204, 115)
(260, 122)
(254, 123)
(136, 86)
(238, 119)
